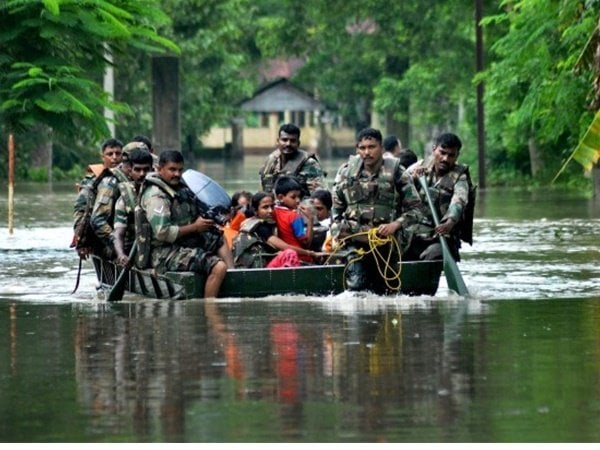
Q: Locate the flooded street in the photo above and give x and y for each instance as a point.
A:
(517, 362)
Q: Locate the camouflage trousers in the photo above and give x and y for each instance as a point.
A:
(200, 259)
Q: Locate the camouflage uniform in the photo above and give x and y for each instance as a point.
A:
(450, 196)
(166, 209)
(124, 212)
(304, 166)
(362, 201)
(102, 218)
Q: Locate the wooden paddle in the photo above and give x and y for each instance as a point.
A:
(116, 292)
(453, 277)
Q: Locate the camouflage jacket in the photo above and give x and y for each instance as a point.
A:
(166, 209)
(449, 194)
(362, 200)
(124, 211)
(304, 166)
(102, 218)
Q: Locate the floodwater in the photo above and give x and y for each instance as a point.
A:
(518, 361)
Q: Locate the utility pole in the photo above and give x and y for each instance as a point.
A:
(480, 92)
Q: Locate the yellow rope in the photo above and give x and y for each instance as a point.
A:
(383, 262)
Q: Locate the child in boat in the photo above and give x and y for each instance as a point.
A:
(240, 207)
(257, 244)
(294, 221)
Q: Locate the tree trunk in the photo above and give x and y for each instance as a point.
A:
(534, 157)
(399, 128)
(165, 103)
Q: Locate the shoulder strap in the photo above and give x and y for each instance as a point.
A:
(105, 173)
(250, 224)
(297, 164)
(120, 175)
(354, 165)
(155, 180)
(391, 164)
(128, 194)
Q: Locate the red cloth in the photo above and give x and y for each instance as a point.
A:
(290, 225)
(285, 258)
(290, 228)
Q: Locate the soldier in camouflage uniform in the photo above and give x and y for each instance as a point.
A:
(103, 211)
(452, 194)
(124, 225)
(371, 191)
(111, 158)
(180, 239)
(289, 160)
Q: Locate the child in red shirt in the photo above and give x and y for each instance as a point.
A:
(294, 224)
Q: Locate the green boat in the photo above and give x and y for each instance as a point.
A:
(417, 278)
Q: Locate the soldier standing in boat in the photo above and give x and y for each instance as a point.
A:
(453, 196)
(171, 233)
(103, 211)
(289, 160)
(371, 193)
(112, 155)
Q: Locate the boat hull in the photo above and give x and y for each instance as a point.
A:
(417, 278)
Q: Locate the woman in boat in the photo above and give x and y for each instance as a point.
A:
(321, 201)
(257, 243)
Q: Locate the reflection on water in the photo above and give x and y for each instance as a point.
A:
(345, 369)
(517, 362)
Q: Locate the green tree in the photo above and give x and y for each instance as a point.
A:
(53, 56)
(534, 99)
(411, 61)
(216, 67)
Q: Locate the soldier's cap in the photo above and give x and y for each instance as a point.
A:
(135, 145)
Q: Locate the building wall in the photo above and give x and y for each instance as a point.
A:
(261, 140)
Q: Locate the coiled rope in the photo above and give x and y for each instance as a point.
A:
(384, 263)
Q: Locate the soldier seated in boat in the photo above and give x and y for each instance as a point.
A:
(93, 209)
(171, 234)
(257, 242)
(289, 160)
(452, 194)
(103, 211)
(373, 199)
(140, 161)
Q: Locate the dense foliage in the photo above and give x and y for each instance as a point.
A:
(413, 63)
(52, 60)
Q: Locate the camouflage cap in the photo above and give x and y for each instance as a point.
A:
(135, 145)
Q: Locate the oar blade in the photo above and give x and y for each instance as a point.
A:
(118, 289)
(453, 277)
